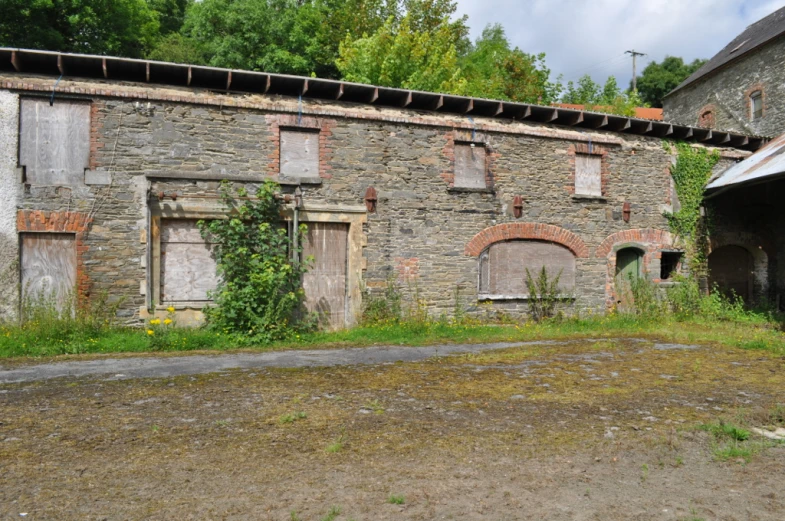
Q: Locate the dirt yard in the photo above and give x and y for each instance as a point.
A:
(581, 430)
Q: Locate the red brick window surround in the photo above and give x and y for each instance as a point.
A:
(588, 170)
(315, 135)
(470, 159)
(61, 222)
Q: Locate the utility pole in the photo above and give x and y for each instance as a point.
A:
(634, 79)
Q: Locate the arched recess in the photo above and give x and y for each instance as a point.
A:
(533, 231)
(648, 241)
(758, 250)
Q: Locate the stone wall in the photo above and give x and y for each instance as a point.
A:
(726, 92)
(147, 140)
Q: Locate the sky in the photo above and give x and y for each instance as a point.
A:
(590, 36)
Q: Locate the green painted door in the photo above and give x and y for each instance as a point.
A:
(628, 268)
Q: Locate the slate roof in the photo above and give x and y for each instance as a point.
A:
(755, 35)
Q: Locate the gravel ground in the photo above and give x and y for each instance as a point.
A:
(601, 429)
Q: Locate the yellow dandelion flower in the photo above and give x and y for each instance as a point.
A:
(170, 309)
(150, 332)
(168, 321)
(155, 321)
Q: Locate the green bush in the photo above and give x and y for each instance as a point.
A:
(385, 307)
(543, 294)
(259, 291)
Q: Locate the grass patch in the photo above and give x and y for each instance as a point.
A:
(69, 337)
(396, 499)
(291, 418)
(332, 514)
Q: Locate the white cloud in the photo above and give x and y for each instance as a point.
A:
(590, 36)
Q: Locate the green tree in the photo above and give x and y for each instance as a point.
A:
(658, 79)
(397, 55)
(608, 98)
(586, 92)
(112, 27)
(492, 69)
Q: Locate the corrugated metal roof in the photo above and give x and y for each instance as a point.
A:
(763, 165)
(754, 36)
(108, 68)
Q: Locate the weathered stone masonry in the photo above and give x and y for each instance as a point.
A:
(725, 94)
(146, 140)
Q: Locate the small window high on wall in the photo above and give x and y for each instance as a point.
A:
(299, 153)
(503, 268)
(588, 175)
(756, 105)
(54, 141)
(470, 166)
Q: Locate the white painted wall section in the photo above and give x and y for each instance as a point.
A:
(9, 189)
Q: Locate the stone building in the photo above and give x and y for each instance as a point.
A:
(107, 163)
(741, 88)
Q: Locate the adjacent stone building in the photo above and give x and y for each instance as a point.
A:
(741, 88)
(106, 164)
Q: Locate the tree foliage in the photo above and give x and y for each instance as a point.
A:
(114, 27)
(259, 289)
(607, 98)
(491, 69)
(658, 79)
(398, 55)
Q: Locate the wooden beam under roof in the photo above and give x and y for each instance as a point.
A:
(374, 95)
(407, 100)
(105, 69)
(60, 66)
(339, 94)
(499, 109)
(15, 61)
(228, 80)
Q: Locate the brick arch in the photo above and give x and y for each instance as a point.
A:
(532, 231)
(637, 236)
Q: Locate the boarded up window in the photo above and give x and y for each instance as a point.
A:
(503, 267)
(49, 269)
(325, 281)
(54, 142)
(299, 153)
(469, 166)
(188, 269)
(588, 175)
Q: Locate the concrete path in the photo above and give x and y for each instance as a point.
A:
(152, 367)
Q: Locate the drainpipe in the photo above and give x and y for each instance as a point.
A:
(298, 201)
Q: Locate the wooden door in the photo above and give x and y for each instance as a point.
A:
(325, 281)
(628, 269)
(730, 268)
(188, 269)
(49, 270)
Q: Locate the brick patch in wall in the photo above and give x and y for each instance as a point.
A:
(96, 124)
(408, 268)
(533, 231)
(61, 222)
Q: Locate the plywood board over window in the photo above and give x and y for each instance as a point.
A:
(54, 141)
(588, 175)
(470, 166)
(325, 281)
(299, 153)
(49, 268)
(188, 269)
(503, 267)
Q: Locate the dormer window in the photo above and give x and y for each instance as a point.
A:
(756, 105)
